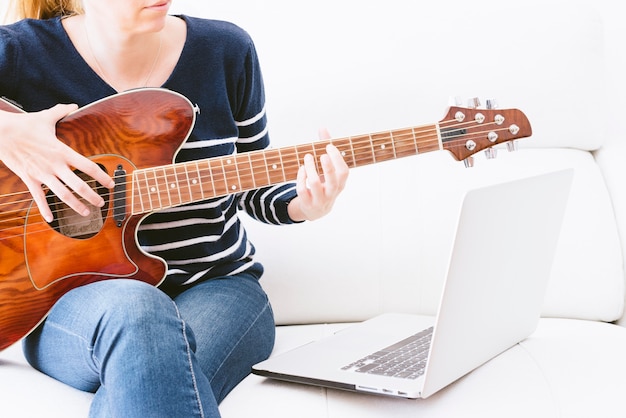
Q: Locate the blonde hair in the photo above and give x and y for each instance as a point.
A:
(41, 9)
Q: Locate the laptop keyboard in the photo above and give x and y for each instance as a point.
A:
(405, 359)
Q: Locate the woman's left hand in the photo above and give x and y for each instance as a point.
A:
(317, 192)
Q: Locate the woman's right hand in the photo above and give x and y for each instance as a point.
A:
(30, 148)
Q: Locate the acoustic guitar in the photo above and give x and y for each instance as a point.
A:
(134, 137)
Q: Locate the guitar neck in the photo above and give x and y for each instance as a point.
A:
(173, 185)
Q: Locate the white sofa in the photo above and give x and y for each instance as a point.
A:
(365, 66)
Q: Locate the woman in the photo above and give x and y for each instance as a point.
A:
(148, 352)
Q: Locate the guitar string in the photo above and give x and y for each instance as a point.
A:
(149, 195)
(367, 146)
(396, 148)
(407, 139)
(433, 139)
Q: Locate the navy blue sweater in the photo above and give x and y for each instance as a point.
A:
(219, 71)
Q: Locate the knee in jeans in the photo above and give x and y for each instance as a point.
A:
(134, 303)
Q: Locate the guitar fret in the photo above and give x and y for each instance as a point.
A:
(180, 174)
(364, 151)
(137, 205)
(204, 173)
(152, 189)
(231, 175)
(167, 187)
(260, 170)
(427, 137)
(282, 163)
(393, 145)
(146, 191)
(344, 145)
(291, 163)
(353, 153)
(417, 149)
(299, 160)
(244, 170)
(274, 167)
(195, 187)
(188, 182)
(145, 195)
(404, 143)
(171, 184)
(319, 148)
(252, 176)
(160, 189)
(301, 151)
(382, 147)
(220, 185)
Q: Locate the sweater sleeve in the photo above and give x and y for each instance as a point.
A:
(267, 204)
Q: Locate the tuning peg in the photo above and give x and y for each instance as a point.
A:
(469, 162)
(455, 101)
(491, 153)
(491, 104)
(511, 146)
(474, 103)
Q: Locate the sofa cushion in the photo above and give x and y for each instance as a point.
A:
(532, 379)
(369, 257)
(28, 393)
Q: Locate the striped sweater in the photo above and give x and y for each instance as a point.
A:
(219, 72)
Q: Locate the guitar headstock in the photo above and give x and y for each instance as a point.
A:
(466, 131)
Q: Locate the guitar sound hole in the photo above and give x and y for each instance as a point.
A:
(73, 225)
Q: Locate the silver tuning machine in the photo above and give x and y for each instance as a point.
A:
(491, 153)
(474, 103)
(491, 104)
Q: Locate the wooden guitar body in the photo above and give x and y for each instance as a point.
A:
(40, 262)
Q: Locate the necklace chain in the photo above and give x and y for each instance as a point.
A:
(99, 67)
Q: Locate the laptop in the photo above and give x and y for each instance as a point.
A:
(494, 289)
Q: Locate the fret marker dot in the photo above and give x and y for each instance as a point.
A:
(274, 166)
(343, 154)
(153, 189)
(382, 146)
(234, 187)
(194, 181)
(229, 161)
(173, 186)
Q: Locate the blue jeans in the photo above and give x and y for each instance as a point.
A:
(145, 354)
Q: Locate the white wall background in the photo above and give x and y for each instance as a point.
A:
(327, 16)
(317, 17)
(323, 21)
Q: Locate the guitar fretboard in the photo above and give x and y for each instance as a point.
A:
(173, 185)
